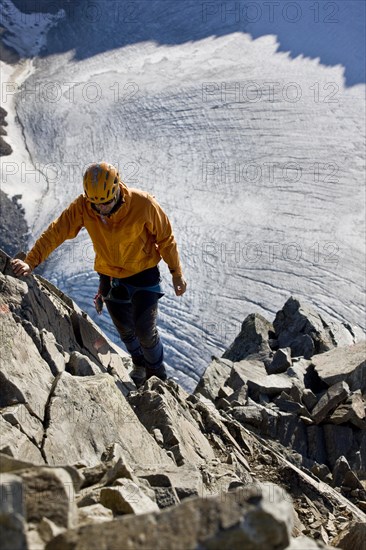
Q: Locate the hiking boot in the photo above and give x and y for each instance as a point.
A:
(160, 372)
(138, 375)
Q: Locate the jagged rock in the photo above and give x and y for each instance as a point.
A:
(254, 517)
(258, 416)
(238, 376)
(281, 361)
(88, 497)
(299, 370)
(251, 415)
(315, 494)
(239, 397)
(346, 364)
(127, 498)
(52, 352)
(354, 536)
(93, 474)
(10, 464)
(99, 348)
(157, 407)
(291, 432)
(329, 401)
(81, 365)
(353, 410)
(258, 381)
(13, 291)
(44, 309)
(351, 480)
(341, 467)
(186, 481)
(30, 385)
(165, 497)
(86, 414)
(222, 403)
(49, 492)
(252, 341)
(14, 443)
(120, 469)
(47, 529)
(38, 303)
(339, 441)
(112, 453)
(20, 417)
(306, 332)
(286, 404)
(225, 392)
(322, 472)
(316, 444)
(145, 487)
(158, 480)
(96, 513)
(309, 399)
(213, 378)
(75, 474)
(12, 513)
(295, 394)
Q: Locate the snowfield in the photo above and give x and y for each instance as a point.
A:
(257, 157)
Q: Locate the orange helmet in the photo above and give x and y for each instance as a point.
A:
(100, 182)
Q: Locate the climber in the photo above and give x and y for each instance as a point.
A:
(130, 234)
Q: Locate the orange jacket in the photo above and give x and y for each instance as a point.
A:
(135, 237)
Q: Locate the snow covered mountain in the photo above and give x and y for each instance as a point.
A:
(244, 119)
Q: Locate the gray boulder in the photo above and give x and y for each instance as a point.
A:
(341, 467)
(86, 415)
(25, 377)
(254, 375)
(96, 513)
(347, 364)
(255, 517)
(329, 401)
(281, 361)
(49, 493)
(15, 443)
(252, 341)
(213, 378)
(126, 497)
(306, 332)
(81, 365)
(158, 408)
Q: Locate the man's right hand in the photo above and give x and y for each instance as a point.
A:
(20, 268)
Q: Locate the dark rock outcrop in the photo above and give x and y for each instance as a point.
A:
(13, 227)
(5, 148)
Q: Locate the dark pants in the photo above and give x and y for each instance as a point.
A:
(136, 321)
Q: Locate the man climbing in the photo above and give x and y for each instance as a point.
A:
(130, 234)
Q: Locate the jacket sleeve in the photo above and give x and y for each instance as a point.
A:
(160, 227)
(66, 226)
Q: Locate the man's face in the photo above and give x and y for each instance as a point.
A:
(106, 207)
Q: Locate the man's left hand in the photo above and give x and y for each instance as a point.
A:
(180, 285)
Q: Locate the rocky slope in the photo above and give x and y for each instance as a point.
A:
(5, 148)
(269, 452)
(13, 227)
